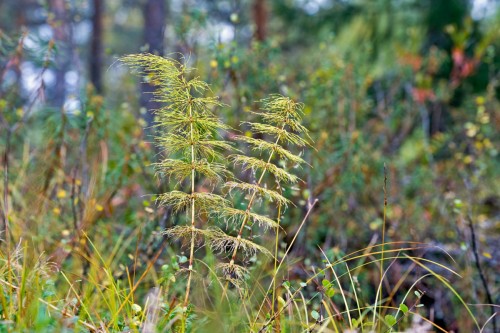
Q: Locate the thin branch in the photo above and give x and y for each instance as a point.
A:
(480, 271)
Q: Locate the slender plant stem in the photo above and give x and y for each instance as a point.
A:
(276, 257)
(475, 251)
(383, 231)
(480, 270)
(381, 286)
(6, 201)
(191, 252)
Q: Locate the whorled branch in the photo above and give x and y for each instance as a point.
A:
(222, 242)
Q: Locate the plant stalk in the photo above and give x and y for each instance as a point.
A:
(191, 252)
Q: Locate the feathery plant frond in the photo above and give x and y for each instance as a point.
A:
(262, 145)
(180, 170)
(190, 142)
(283, 112)
(263, 192)
(181, 201)
(281, 120)
(184, 231)
(236, 216)
(176, 121)
(254, 164)
(278, 133)
(239, 272)
(223, 242)
(203, 147)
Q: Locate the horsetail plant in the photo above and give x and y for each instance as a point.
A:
(282, 121)
(193, 148)
(192, 145)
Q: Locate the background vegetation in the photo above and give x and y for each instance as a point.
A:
(401, 102)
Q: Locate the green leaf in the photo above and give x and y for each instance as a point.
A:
(355, 323)
(330, 292)
(303, 284)
(315, 314)
(403, 308)
(326, 283)
(391, 321)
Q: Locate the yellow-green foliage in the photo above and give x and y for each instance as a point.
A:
(190, 142)
(189, 137)
(281, 119)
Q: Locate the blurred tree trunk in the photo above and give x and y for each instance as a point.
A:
(260, 19)
(96, 53)
(154, 12)
(59, 24)
(20, 10)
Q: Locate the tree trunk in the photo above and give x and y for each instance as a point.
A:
(61, 37)
(260, 19)
(154, 12)
(96, 53)
(20, 11)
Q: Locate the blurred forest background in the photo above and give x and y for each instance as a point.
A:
(410, 84)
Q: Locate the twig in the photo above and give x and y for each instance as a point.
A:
(73, 201)
(6, 195)
(475, 252)
(83, 156)
(480, 270)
